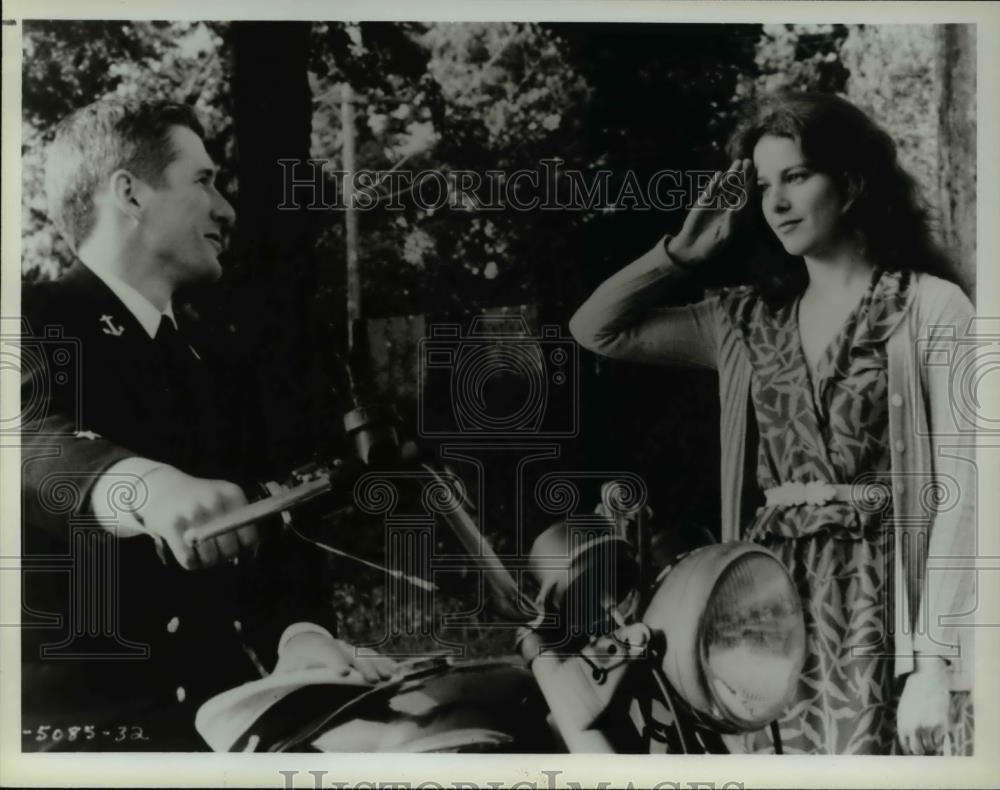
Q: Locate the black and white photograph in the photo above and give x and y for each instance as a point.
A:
(544, 384)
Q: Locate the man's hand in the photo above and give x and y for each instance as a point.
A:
(175, 502)
(316, 650)
(922, 717)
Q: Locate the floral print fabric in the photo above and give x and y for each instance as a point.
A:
(829, 424)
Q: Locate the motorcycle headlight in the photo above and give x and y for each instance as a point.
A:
(735, 635)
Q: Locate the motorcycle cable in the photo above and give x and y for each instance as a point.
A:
(423, 584)
(664, 688)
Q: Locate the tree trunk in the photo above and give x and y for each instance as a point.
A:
(957, 146)
(275, 248)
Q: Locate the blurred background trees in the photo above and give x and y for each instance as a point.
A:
(622, 98)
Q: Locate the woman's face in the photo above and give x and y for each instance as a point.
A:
(802, 206)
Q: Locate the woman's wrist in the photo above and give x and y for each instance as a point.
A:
(675, 251)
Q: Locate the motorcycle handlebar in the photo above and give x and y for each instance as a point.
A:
(260, 510)
(507, 596)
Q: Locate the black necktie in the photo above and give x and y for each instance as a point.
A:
(174, 361)
(170, 342)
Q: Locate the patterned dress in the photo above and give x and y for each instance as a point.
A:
(831, 425)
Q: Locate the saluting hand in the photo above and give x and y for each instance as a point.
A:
(175, 502)
(710, 222)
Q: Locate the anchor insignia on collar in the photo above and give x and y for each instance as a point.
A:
(110, 327)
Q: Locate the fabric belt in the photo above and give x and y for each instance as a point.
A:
(871, 495)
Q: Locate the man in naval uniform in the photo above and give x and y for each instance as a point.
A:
(133, 433)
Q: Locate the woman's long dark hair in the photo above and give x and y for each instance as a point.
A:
(888, 212)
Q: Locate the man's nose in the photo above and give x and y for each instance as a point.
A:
(223, 211)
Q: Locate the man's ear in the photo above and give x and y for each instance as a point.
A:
(126, 193)
(854, 186)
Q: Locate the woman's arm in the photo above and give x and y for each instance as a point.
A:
(620, 319)
(948, 590)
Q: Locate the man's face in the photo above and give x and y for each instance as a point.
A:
(184, 221)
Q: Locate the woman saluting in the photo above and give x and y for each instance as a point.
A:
(825, 345)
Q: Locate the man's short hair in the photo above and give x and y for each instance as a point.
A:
(99, 139)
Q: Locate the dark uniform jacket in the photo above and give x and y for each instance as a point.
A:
(119, 643)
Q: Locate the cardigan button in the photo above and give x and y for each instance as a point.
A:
(181, 694)
(896, 400)
(173, 625)
(900, 445)
(900, 489)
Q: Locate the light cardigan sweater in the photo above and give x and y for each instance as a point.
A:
(933, 473)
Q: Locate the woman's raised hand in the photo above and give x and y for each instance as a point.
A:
(710, 222)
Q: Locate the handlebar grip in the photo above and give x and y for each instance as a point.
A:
(257, 511)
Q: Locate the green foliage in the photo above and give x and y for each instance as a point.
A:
(509, 82)
(443, 98)
(893, 77)
(368, 613)
(798, 57)
(68, 64)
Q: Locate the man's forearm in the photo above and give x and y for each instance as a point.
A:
(57, 458)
